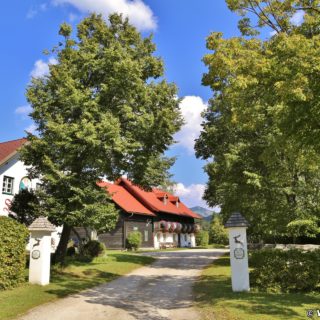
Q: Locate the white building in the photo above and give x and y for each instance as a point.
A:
(14, 177)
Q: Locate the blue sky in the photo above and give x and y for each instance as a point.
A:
(180, 28)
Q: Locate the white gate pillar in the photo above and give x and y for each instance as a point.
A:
(237, 226)
(40, 251)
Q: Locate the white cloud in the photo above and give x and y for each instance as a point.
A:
(23, 110)
(297, 18)
(191, 108)
(190, 195)
(272, 33)
(72, 17)
(41, 68)
(31, 129)
(35, 10)
(138, 12)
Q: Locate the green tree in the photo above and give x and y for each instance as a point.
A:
(102, 111)
(260, 124)
(218, 233)
(202, 238)
(25, 207)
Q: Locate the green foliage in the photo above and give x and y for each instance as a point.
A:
(218, 233)
(214, 298)
(204, 224)
(71, 251)
(100, 112)
(13, 239)
(292, 270)
(260, 126)
(202, 238)
(25, 207)
(134, 240)
(303, 228)
(93, 248)
(277, 15)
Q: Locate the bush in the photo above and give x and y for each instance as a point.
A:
(93, 248)
(291, 270)
(13, 240)
(202, 238)
(134, 240)
(218, 233)
(71, 251)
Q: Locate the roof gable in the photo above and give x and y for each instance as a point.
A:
(125, 200)
(153, 200)
(9, 148)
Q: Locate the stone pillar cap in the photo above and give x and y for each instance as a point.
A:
(236, 220)
(42, 224)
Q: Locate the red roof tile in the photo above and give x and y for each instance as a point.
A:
(152, 200)
(9, 148)
(125, 200)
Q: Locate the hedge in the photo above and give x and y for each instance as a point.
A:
(13, 240)
(285, 271)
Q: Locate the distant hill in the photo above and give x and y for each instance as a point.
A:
(207, 214)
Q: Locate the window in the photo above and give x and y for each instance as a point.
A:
(146, 235)
(7, 186)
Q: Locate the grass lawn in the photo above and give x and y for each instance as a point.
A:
(215, 299)
(75, 277)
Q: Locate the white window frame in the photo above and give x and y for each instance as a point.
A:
(7, 181)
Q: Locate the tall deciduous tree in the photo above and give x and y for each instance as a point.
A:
(261, 125)
(99, 113)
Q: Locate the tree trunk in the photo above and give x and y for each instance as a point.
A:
(63, 244)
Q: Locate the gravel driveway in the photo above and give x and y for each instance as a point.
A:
(160, 291)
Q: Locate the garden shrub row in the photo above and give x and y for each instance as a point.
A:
(285, 271)
(13, 240)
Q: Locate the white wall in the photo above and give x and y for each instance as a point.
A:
(187, 240)
(16, 169)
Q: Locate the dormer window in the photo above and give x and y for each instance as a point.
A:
(165, 200)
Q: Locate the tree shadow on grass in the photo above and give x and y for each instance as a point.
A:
(213, 290)
(133, 258)
(64, 284)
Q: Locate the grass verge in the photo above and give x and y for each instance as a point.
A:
(75, 277)
(215, 299)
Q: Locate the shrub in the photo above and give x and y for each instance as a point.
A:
(218, 233)
(93, 248)
(291, 270)
(134, 240)
(13, 240)
(71, 251)
(202, 238)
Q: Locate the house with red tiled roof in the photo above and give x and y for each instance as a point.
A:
(161, 217)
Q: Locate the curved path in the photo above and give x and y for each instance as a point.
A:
(160, 291)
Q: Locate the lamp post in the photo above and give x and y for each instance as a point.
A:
(40, 251)
(237, 226)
